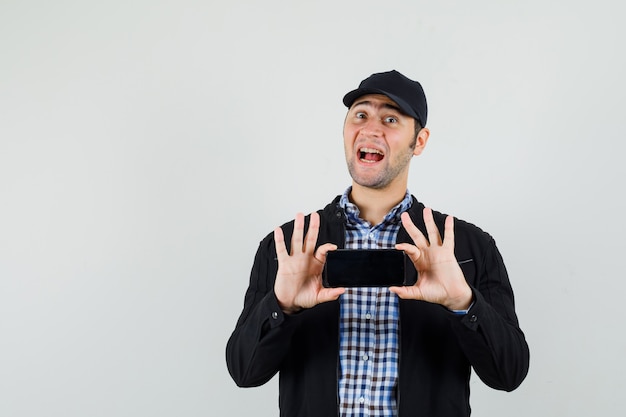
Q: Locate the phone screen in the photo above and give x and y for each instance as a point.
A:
(367, 268)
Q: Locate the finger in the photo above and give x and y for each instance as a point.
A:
(323, 250)
(399, 291)
(298, 232)
(411, 250)
(329, 294)
(279, 243)
(433, 233)
(448, 239)
(311, 234)
(407, 293)
(415, 233)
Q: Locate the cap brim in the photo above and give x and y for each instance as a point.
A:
(350, 98)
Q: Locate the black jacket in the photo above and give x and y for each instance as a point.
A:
(437, 347)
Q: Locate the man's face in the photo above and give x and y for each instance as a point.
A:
(379, 141)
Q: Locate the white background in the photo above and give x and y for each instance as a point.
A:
(146, 147)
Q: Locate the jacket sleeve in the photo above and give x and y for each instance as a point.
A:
(261, 337)
(489, 334)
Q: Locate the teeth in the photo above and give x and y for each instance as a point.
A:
(370, 150)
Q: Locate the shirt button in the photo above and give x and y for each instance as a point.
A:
(274, 315)
(362, 400)
(365, 357)
(368, 316)
(473, 319)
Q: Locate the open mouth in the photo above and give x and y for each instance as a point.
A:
(370, 155)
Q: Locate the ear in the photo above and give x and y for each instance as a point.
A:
(420, 142)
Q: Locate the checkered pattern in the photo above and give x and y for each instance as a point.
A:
(368, 351)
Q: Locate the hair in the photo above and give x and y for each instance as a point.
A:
(418, 127)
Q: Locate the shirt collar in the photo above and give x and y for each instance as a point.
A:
(352, 211)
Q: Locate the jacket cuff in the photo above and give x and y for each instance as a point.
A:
(272, 311)
(471, 319)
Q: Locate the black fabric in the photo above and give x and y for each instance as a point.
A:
(437, 347)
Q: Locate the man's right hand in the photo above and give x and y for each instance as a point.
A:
(299, 279)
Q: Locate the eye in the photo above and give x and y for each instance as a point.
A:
(360, 115)
(391, 119)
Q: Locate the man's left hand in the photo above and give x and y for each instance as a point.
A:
(440, 279)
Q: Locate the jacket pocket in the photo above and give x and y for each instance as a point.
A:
(468, 266)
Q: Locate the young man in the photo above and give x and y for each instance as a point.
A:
(377, 351)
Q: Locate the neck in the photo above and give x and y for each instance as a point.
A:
(374, 204)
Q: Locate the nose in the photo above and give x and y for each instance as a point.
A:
(373, 127)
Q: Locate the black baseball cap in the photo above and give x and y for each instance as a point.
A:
(406, 93)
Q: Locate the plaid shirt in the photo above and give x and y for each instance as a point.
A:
(368, 330)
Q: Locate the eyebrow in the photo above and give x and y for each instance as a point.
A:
(384, 105)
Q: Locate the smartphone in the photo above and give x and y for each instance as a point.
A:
(368, 268)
